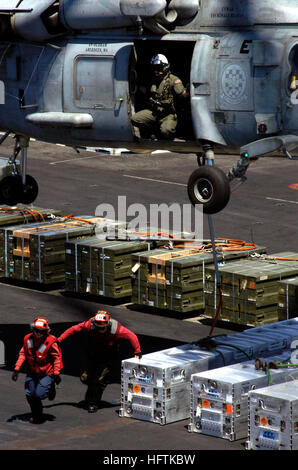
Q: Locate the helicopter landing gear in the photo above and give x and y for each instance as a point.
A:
(10, 190)
(29, 190)
(18, 187)
(208, 185)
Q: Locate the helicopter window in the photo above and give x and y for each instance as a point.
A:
(94, 81)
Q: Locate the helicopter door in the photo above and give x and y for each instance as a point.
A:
(96, 82)
(203, 92)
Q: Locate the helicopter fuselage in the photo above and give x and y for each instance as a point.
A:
(71, 73)
(81, 89)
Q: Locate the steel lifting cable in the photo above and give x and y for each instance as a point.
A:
(227, 244)
(217, 277)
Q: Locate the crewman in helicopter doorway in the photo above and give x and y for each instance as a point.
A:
(160, 119)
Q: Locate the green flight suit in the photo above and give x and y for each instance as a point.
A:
(161, 113)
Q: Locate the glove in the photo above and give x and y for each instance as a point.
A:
(15, 375)
(84, 377)
(154, 102)
(57, 379)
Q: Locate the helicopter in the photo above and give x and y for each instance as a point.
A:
(70, 72)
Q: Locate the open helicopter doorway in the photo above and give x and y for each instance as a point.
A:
(179, 55)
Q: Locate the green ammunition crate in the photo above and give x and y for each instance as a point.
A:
(249, 288)
(139, 292)
(117, 288)
(239, 305)
(288, 298)
(262, 317)
(157, 298)
(36, 252)
(186, 302)
(250, 301)
(101, 267)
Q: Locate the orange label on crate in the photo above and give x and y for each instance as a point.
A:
(229, 409)
(206, 403)
(252, 285)
(137, 388)
(263, 421)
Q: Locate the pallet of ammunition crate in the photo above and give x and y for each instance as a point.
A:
(36, 252)
(101, 267)
(174, 279)
(249, 288)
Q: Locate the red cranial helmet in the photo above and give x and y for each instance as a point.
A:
(40, 324)
(101, 319)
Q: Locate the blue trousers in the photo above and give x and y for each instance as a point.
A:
(37, 389)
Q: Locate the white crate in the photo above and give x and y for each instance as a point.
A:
(148, 391)
(219, 397)
(273, 418)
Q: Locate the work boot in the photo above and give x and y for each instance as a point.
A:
(36, 410)
(36, 419)
(92, 408)
(52, 392)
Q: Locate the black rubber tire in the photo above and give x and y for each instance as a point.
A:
(10, 190)
(29, 190)
(208, 185)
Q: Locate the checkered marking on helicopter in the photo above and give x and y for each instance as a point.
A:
(234, 84)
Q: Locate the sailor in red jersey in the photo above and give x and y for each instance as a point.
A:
(103, 335)
(43, 359)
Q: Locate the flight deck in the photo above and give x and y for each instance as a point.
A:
(262, 211)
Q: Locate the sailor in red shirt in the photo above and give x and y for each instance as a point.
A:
(103, 335)
(42, 355)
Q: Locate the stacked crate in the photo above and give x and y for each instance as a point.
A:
(152, 284)
(288, 298)
(174, 279)
(157, 387)
(249, 288)
(18, 215)
(36, 252)
(219, 397)
(101, 267)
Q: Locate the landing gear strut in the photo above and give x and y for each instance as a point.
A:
(18, 187)
(208, 185)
